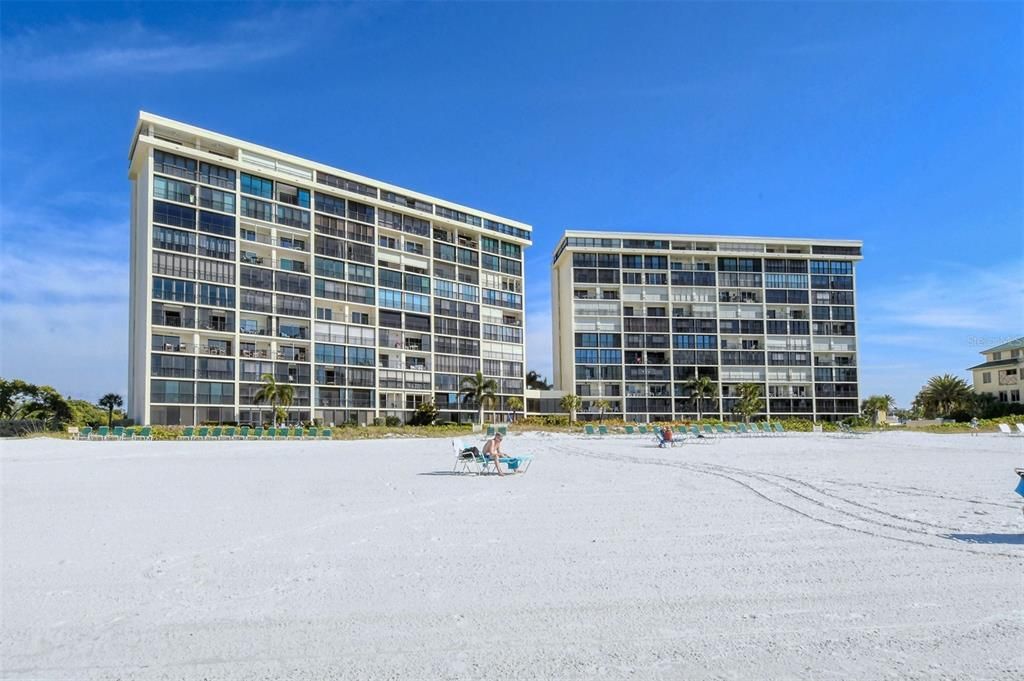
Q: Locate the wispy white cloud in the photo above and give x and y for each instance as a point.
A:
(930, 323)
(76, 50)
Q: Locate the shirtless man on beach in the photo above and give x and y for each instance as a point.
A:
(492, 449)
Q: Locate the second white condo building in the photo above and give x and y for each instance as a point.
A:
(636, 317)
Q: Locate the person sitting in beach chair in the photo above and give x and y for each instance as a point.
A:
(664, 436)
(492, 450)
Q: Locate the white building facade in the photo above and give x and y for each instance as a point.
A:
(367, 298)
(637, 317)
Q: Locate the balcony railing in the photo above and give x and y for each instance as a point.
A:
(213, 350)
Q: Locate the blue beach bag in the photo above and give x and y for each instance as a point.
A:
(1020, 482)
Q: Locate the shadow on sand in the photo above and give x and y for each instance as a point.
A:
(989, 538)
(457, 474)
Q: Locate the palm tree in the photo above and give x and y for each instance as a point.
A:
(275, 393)
(109, 402)
(602, 406)
(876, 403)
(478, 390)
(571, 403)
(535, 381)
(701, 388)
(750, 401)
(945, 394)
(514, 404)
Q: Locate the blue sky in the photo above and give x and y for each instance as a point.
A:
(895, 123)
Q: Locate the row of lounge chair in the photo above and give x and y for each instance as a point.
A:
(116, 433)
(741, 429)
(1006, 430)
(256, 433)
(494, 430)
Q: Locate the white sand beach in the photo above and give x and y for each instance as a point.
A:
(804, 557)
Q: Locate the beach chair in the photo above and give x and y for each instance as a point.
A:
(1020, 428)
(311, 434)
(1006, 430)
(741, 429)
(503, 431)
(203, 433)
(709, 431)
(702, 438)
(490, 431)
(117, 433)
(257, 432)
(589, 430)
(282, 434)
(326, 434)
(779, 430)
(102, 433)
(243, 433)
(229, 433)
(720, 429)
(145, 433)
(187, 433)
(630, 430)
(128, 434)
(85, 433)
(602, 430)
(217, 433)
(642, 430)
(662, 443)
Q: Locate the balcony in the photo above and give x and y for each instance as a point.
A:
(171, 347)
(256, 354)
(293, 356)
(215, 350)
(174, 320)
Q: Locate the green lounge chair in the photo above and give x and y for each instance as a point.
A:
(216, 433)
(708, 430)
(282, 434)
(103, 432)
(741, 428)
(229, 433)
(128, 434)
(754, 430)
(203, 434)
(85, 433)
(602, 430)
(589, 430)
(270, 433)
(327, 434)
(503, 430)
(779, 429)
(720, 429)
(145, 433)
(243, 433)
(310, 434)
(490, 431)
(766, 428)
(257, 433)
(630, 430)
(642, 430)
(187, 433)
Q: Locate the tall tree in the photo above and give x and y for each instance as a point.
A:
(602, 406)
(13, 394)
(535, 381)
(571, 403)
(274, 393)
(750, 401)
(47, 405)
(943, 395)
(515, 405)
(870, 406)
(479, 391)
(110, 401)
(701, 388)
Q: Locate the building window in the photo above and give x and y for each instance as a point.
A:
(986, 377)
(257, 186)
